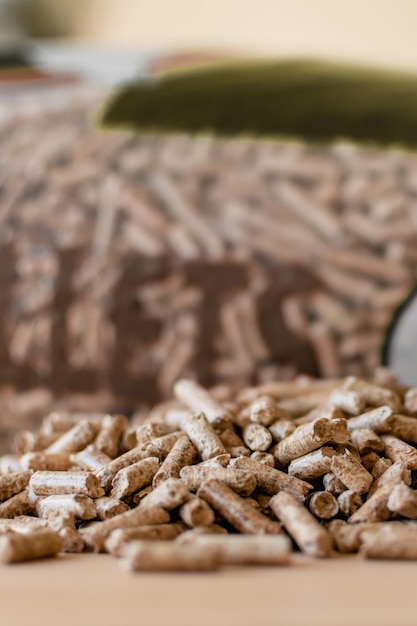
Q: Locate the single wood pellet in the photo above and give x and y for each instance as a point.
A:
(351, 462)
(19, 547)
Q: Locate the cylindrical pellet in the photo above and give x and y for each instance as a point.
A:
(379, 420)
(351, 472)
(332, 484)
(323, 505)
(196, 512)
(247, 549)
(263, 410)
(109, 507)
(366, 440)
(20, 504)
(119, 539)
(108, 438)
(241, 481)
(14, 483)
(349, 502)
(257, 437)
(241, 515)
(312, 465)
(199, 400)
(91, 458)
(96, 534)
(109, 471)
(398, 450)
(134, 477)
(303, 440)
(18, 547)
(271, 480)
(202, 434)
(375, 508)
(78, 506)
(167, 556)
(403, 501)
(77, 438)
(310, 536)
(151, 430)
(54, 483)
(390, 543)
(281, 428)
(167, 495)
(182, 453)
(50, 461)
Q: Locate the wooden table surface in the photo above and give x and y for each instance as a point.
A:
(91, 590)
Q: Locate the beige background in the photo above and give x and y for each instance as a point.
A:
(382, 31)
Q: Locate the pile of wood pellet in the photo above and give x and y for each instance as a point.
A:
(128, 262)
(218, 477)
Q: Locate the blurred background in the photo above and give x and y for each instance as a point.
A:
(380, 32)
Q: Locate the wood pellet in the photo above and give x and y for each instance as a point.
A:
(331, 475)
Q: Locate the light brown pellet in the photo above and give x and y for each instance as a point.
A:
(351, 472)
(80, 507)
(349, 502)
(20, 504)
(323, 505)
(312, 465)
(230, 438)
(350, 402)
(375, 508)
(96, 534)
(395, 474)
(236, 511)
(271, 480)
(108, 438)
(347, 537)
(380, 467)
(156, 556)
(55, 483)
(59, 461)
(151, 430)
(134, 477)
(26, 524)
(403, 501)
(281, 429)
(332, 484)
(366, 440)
(264, 411)
(91, 458)
(196, 512)
(109, 471)
(263, 457)
(109, 507)
(247, 549)
(77, 438)
(374, 395)
(340, 433)
(199, 401)
(398, 450)
(203, 436)
(397, 542)
(17, 547)
(182, 453)
(120, 538)
(161, 446)
(167, 495)
(301, 525)
(379, 420)
(304, 439)
(241, 481)
(405, 428)
(13, 483)
(257, 437)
